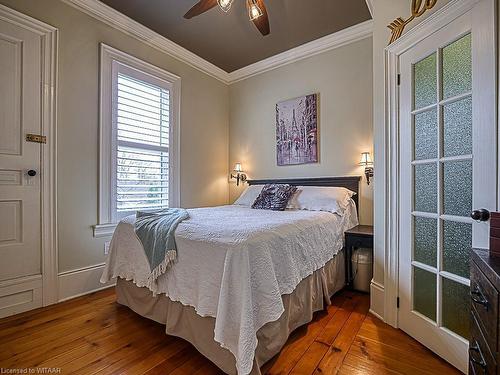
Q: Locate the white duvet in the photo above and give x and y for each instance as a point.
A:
(234, 263)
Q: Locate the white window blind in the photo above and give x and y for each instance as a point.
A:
(142, 144)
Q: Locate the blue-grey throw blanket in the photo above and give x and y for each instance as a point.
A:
(156, 231)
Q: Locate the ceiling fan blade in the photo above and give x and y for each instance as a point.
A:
(262, 23)
(200, 7)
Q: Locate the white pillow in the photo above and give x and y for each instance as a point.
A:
(319, 198)
(249, 195)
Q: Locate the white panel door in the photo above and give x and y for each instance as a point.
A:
(20, 114)
(447, 170)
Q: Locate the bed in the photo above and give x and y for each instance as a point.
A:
(244, 279)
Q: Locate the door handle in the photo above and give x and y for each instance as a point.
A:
(32, 173)
(480, 215)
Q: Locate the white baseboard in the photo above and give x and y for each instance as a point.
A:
(374, 313)
(377, 300)
(19, 295)
(81, 281)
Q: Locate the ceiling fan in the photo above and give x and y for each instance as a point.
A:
(257, 11)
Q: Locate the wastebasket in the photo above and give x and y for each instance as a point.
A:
(362, 269)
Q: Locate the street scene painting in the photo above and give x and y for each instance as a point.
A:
(297, 130)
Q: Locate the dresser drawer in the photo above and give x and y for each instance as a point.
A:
(481, 361)
(484, 300)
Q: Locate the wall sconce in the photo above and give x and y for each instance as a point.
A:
(239, 175)
(367, 162)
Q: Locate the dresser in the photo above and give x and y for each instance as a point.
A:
(484, 336)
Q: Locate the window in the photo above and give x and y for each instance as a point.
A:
(139, 137)
(142, 117)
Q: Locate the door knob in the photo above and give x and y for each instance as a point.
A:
(32, 173)
(480, 215)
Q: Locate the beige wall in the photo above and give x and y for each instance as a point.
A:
(384, 12)
(343, 79)
(204, 126)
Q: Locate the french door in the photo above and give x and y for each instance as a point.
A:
(447, 153)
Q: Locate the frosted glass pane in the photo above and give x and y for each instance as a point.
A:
(425, 82)
(426, 133)
(456, 307)
(458, 188)
(426, 187)
(458, 128)
(457, 244)
(457, 67)
(425, 241)
(424, 292)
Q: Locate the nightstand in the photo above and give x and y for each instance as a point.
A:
(359, 236)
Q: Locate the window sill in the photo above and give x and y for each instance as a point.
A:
(103, 230)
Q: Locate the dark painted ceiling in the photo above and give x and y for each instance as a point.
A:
(230, 40)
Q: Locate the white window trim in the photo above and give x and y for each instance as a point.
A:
(108, 56)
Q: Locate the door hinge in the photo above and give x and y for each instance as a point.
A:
(36, 138)
(399, 79)
(397, 302)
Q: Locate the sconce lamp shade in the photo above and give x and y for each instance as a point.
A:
(239, 175)
(366, 159)
(367, 162)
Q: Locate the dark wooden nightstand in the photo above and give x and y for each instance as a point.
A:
(359, 236)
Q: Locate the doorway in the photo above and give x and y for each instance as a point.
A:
(443, 137)
(28, 270)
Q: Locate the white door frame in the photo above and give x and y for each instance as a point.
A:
(436, 21)
(49, 40)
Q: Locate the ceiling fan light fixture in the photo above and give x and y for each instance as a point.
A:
(225, 5)
(254, 10)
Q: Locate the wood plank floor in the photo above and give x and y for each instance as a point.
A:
(94, 335)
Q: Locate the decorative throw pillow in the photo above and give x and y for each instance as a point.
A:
(274, 197)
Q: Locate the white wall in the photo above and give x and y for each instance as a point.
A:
(343, 79)
(204, 127)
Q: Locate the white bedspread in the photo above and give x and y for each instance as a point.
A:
(234, 264)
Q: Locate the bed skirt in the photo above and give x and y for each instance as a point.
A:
(311, 295)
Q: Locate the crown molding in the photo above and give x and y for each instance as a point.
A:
(340, 38)
(121, 22)
(125, 24)
(369, 4)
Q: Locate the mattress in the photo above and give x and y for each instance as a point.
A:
(234, 264)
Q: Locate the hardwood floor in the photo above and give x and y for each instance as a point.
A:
(93, 334)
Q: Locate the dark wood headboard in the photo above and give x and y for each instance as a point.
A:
(349, 182)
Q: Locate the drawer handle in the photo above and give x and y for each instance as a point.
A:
(478, 297)
(475, 348)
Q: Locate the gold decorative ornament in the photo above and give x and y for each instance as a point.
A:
(418, 7)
